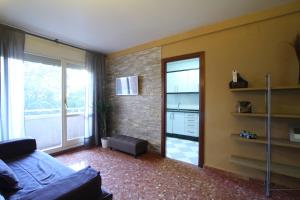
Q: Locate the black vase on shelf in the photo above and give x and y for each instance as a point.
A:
(240, 83)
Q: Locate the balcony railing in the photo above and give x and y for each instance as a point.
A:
(45, 125)
(47, 111)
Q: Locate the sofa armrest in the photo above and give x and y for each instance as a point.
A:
(18, 147)
(84, 184)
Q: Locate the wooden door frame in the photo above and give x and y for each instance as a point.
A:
(201, 56)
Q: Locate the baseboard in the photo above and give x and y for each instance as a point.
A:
(229, 173)
(70, 149)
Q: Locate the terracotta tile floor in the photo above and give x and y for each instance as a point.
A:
(152, 177)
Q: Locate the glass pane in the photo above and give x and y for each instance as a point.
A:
(76, 85)
(42, 90)
(186, 64)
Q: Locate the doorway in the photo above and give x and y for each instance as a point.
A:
(183, 108)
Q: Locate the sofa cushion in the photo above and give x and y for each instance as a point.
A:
(8, 179)
(83, 184)
(35, 171)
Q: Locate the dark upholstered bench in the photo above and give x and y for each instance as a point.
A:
(128, 144)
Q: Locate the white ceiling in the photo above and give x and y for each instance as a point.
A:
(112, 25)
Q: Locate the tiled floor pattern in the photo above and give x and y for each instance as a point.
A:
(182, 150)
(152, 177)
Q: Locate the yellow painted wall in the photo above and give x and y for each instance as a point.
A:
(254, 45)
(253, 50)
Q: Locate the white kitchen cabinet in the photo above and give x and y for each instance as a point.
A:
(183, 81)
(169, 120)
(191, 124)
(173, 80)
(183, 123)
(192, 81)
(178, 123)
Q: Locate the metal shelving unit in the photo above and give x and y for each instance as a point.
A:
(268, 135)
(267, 140)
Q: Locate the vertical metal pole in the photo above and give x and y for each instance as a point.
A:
(268, 135)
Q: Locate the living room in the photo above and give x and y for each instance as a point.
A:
(131, 100)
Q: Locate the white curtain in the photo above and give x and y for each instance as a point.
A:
(12, 85)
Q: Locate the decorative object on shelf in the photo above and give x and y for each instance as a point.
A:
(294, 133)
(296, 46)
(248, 134)
(237, 81)
(244, 107)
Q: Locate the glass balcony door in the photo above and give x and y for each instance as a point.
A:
(75, 96)
(54, 93)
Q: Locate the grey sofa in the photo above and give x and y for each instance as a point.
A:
(40, 176)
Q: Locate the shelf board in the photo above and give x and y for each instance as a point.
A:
(282, 169)
(183, 70)
(261, 89)
(275, 115)
(183, 110)
(262, 140)
(182, 93)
